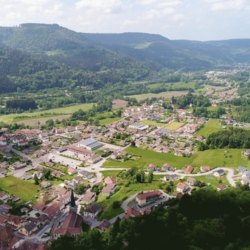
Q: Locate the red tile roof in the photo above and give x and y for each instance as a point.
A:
(148, 194)
(131, 211)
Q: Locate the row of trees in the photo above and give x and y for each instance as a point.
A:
(21, 104)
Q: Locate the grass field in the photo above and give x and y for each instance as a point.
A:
(147, 157)
(111, 173)
(25, 190)
(213, 182)
(174, 86)
(109, 120)
(163, 94)
(174, 126)
(210, 127)
(38, 114)
(218, 158)
(152, 123)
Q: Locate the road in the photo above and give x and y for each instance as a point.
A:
(229, 175)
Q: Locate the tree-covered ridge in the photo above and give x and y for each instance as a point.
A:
(232, 138)
(206, 220)
(22, 71)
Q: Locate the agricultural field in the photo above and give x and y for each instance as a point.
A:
(46, 113)
(25, 190)
(116, 104)
(219, 158)
(152, 123)
(174, 126)
(163, 94)
(212, 126)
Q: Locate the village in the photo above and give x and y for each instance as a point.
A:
(67, 165)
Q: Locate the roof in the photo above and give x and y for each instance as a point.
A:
(93, 208)
(51, 209)
(205, 167)
(219, 171)
(108, 188)
(72, 220)
(220, 186)
(2, 219)
(6, 234)
(189, 169)
(110, 180)
(39, 206)
(148, 194)
(181, 185)
(104, 225)
(30, 226)
(131, 211)
(88, 196)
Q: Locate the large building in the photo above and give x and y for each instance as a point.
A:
(150, 196)
(138, 126)
(72, 223)
(90, 144)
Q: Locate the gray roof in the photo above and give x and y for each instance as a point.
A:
(242, 169)
(30, 226)
(88, 142)
(93, 208)
(220, 171)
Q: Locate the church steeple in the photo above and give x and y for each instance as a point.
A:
(72, 200)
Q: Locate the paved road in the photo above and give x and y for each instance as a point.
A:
(229, 175)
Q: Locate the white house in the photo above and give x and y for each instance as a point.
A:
(92, 211)
(219, 172)
(182, 187)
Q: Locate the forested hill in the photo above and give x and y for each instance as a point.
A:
(96, 52)
(21, 71)
(174, 53)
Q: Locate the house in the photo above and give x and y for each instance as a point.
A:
(38, 153)
(24, 210)
(16, 222)
(109, 189)
(45, 184)
(45, 149)
(92, 211)
(205, 169)
(94, 158)
(191, 181)
(28, 229)
(221, 187)
(172, 177)
(219, 172)
(17, 165)
(182, 187)
(57, 173)
(166, 150)
(122, 143)
(131, 212)
(166, 167)
(3, 196)
(3, 221)
(110, 180)
(147, 197)
(39, 207)
(89, 198)
(72, 171)
(51, 211)
(85, 174)
(6, 235)
(73, 184)
(151, 167)
(3, 141)
(104, 225)
(189, 170)
(242, 169)
(245, 180)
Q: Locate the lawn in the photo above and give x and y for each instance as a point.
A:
(110, 173)
(214, 181)
(210, 127)
(174, 126)
(152, 123)
(109, 120)
(218, 158)
(46, 113)
(147, 157)
(25, 190)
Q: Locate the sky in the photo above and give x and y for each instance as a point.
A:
(175, 19)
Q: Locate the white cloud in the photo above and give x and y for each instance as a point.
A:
(105, 6)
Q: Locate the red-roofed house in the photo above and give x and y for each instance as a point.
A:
(205, 169)
(189, 170)
(52, 211)
(131, 212)
(181, 187)
(110, 180)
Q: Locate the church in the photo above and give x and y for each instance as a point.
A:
(72, 225)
